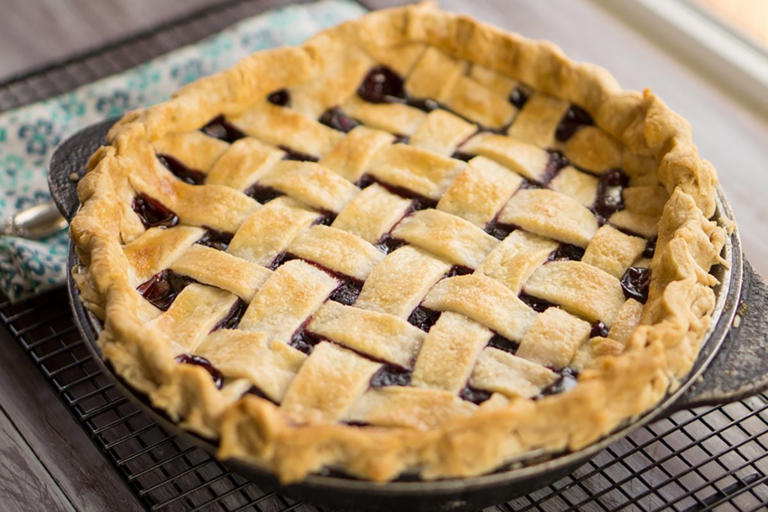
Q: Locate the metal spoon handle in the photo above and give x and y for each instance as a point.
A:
(36, 222)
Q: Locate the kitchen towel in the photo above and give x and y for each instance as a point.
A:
(28, 135)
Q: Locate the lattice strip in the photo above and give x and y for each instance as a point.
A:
(380, 335)
(537, 120)
(345, 376)
(579, 185)
(194, 149)
(484, 106)
(552, 215)
(372, 213)
(354, 153)
(484, 300)
(513, 261)
(400, 281)
(282, 126)
(156, 249)
(580, 288)
(442, 132)
(217, 268)
(447, 236)
(434, 75)
(290, 295)
(553, 339)
(336, 250)
(505, 373)
(480, 191)
(392, 117)
(449, 352)
(613, 251)
(269, 230)
(243, 163)
(415, 169)
(592, 149)
(193, 314)
(526, 159)
(310, 183)
(398, 406)
(270, 365)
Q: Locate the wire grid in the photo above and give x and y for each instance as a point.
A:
(694, 461)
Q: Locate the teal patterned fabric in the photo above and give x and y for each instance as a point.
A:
(28, 135)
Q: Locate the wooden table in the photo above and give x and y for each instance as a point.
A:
(48, 463)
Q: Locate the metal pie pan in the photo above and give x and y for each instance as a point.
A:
(729, 366)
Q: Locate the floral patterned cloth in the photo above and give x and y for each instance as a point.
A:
(28, 135)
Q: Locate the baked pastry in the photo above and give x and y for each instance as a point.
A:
(415, 243)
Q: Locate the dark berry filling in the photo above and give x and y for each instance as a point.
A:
(292, 154)
(500, 342)
(391, 375)
(216, 375)
(518, 97)
(420, 202)
(216, 239)
(220, 128)
(382, 85)
(426, 104)
(388, 243)
(538, 305)
(280, 97)
(401, 139)
(650, 247)
(599, 329)
(458, 270)
(609, 194)
(280, 259)
(574, 118)
(476, 396)
(499, 230)
(261, 193)
(326, 218)
(253, 390)
(232, 319)
(556, 162)
(305, 340)
(338, 120)
(567, 252)
(153, 213)
(635, 283)
(527, 184)
(460, 155)
(181, 171)
(347, 292)
(567, 381)
(162, 288)
(423, 318)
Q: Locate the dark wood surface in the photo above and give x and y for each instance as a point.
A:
(50, 464)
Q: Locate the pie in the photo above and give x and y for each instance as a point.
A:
(416, 244)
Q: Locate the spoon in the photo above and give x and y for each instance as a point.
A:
(36, 222)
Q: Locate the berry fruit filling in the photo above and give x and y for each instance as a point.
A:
(162, 288)
(216, 375)
(635, 283)
(153, 213)
(181, 171)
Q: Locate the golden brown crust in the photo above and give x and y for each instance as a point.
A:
(611, 389)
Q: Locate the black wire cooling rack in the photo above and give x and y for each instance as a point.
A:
(694, 461)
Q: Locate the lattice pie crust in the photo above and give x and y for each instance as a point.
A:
(415, 243)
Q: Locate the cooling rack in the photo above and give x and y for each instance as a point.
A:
(694, 461)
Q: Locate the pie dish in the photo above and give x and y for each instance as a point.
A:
(414, 243)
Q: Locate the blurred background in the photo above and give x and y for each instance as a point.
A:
(35, 32)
